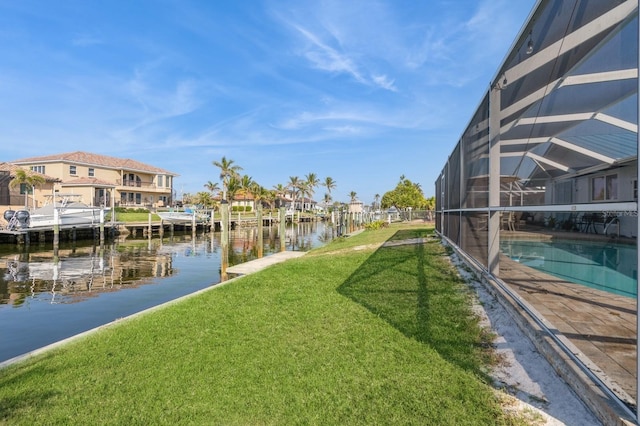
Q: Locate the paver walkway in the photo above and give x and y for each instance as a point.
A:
(259, 264)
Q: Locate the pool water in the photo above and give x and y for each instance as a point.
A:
(604, 266)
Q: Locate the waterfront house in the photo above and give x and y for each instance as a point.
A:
(102, 180)
(243, 201)
(306, 204)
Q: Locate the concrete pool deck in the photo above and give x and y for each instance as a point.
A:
(601, 325)
(597, 327)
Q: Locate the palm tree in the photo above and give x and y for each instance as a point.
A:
(377, 202)
(260, 194)
(228, 170)
(270, 197)
(294, 186)
(233, 186)
(279, 190)
(312, 181)
(305, 190)
(212, 187)
(327, 199)
(329, 183)
(29, 179)
(353, 195)
(204, 198)
(245, 185)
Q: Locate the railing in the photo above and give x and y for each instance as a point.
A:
(136, 183)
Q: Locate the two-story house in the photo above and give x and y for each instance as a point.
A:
(103, 180)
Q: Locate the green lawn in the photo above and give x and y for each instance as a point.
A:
(133, 217)
(352, 333)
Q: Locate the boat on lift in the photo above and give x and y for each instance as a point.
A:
(177, 216)
(60, 209)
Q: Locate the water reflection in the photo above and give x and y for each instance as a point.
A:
(41, 290)
(83, 270)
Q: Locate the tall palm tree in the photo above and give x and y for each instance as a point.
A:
(305, 190)
(228, 170)
(329, 183)
(312, 181)
(29, 179)
(353, 196)
(294, 187)
(377, 203)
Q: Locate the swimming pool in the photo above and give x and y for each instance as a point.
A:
(605, 266)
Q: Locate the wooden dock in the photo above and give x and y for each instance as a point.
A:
(143, 228)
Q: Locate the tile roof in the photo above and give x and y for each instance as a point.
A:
(11, 168)
(105, 161)
(87, 181)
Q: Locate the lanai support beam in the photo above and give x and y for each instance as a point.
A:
(494, 182)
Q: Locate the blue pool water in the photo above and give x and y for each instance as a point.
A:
(605, 266)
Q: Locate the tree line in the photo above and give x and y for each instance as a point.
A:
(235, 185)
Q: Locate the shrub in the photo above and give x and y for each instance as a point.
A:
(131, 210)
(378, 224)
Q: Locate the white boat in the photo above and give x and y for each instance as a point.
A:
(188, 215)
(69, 269)
(62, 209)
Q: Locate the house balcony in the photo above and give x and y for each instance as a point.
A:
(146, 186)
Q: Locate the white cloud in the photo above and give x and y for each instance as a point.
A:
(327, 58)
(384, 82)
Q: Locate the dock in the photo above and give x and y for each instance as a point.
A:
(142, 228)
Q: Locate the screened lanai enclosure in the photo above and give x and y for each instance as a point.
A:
(541, 190)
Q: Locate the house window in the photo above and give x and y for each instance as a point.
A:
(604, 188)
(38, 169)
(25, 189)
(138, 198)
(72, 170)
(160, 181)
(92, 172)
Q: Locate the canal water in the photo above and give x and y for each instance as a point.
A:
(45, 298)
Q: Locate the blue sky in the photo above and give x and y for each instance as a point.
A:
(361, 91)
